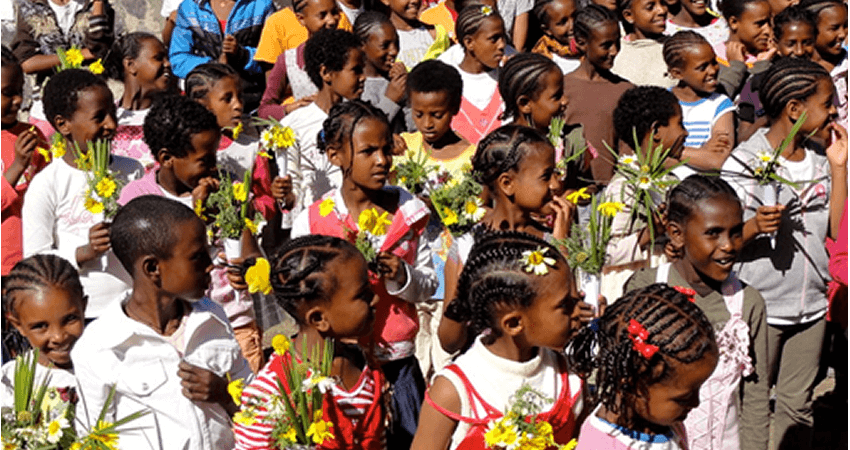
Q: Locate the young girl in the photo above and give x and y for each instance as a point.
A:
(481, 32)
(416, 39)
(641, 60)
(386, 78)
(43, 299)
(705, 220)
(557, 42)
(592, 91)
(529, 311)
(795, 31)
(651, 351)
(798, 225)
(323, 283)
(357, 139)
(55, 219)
(709, 117)
(749, 30)
(141, 62)
(831, 46)
(695, 15)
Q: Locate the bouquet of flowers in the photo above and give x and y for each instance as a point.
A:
(231, 206)
(296, 411)
(457, 203)
(73, 58)
(520, 427)
(57, 147)
(569, 143)
(414, 172)
(104, 187)
(277, 139)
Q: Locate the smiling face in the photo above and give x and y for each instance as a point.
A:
(670, 400)
(151, 67)
(11, 93)
(348, 82)
(368, 160)
(351, 309)
(533, 184)
(381, 49)
(832, 30)
(487, 45)
(647, 16)
(200, 160)
(93, 119)
(602, 46)
(753, 27)
(712, 236)
(319, 15)
(550, 319)
(798, 40)
(695, 8)
(186, 274)
(224, 100)
(560, 20)
(405, 9)
(51, 319)
(548, 102)
(700, 69)
(432, 114)
(820, 110)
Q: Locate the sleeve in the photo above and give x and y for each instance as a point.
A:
(39, 220)
(270, 105)
(270, 46)
(24, 46)
(389, 107)
(168, 7)
(731, 78)
(256, 434)
(524, 6)
(10, 195)
(421, 278)
(723, 106)
(182, 41)
(623, 246)
(755, 402)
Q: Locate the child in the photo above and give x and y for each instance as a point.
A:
(162, 346)
(416, 39)
(749, 26)
(557, 42)
(705, 220)
(288, 79)
(651, 351)
(141, 62)
(357, 139)
(481, 32)
(641, 60)
(532, 87)
(795, 31)
(530, 312)
(708, 116)
(43, 299)
(55, 219)
(695, 15)
(655, 117)
(831, 46)
(592, 91)
(20, 160)
(386, 78)
(800, 222)
(323, 283)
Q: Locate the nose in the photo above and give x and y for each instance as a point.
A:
(381, 159)
(393, 50)
(237, 104)
(58, 335)
(110, 123)
(501, 43)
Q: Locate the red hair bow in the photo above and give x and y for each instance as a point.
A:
(639, 336)
(690, 293)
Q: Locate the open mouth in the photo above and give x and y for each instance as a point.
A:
(726, 263)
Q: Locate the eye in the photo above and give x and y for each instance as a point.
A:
(38, 326)
(70, 318)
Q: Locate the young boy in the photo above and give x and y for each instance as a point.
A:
(165, 347)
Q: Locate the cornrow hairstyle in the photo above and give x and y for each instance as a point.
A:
(171, 123)
(793, 15)
(9, 58)
(63, 91)
(684, 196)
(675, 47)
(469, 21)
(367, 22)
(436, 76)
(501, 151)
(342, 120)
(201, 80)
(495, 276)
(39, 272)
(817, 6)
(126, 46)
(675, 325)
(522, 75)
(590, 18)
(298, 273)
(146, 226)
(639, 109)
(734, 8)
(789, 79)
(328, 48)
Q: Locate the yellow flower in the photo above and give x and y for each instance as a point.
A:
(280, 344)
(251, 226)
(326, 206)
(264, 154)
(764, 156)
(47, 154)
(257, 277)
(382, 223)
(544, 430)
(578, 196)
(108, 439)
(291, 435)
(237, 130)
(240, 191)
(199, 208)
(210, 234)
(76, 446)
(486, 10)
(93, 206)
(74, 57)
(244, 418)
(96, 67)
(55, 429)
(449, 217)
(234, 388)
(473, 209)
(319, 430)
(105, 187)
(644, 182)
(571, 445)
(58, 148)
(367, 218)
(536, 261)
(610, 209)
(644, 169)
(581, 257)
(501, 435)
(283, 137)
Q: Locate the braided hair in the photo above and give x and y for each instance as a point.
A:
(640, 108)
(469, 20)
(540, 10)
(367, 22)
(328, 49)
(495, 276)
(201, 80)
(677, 45)
(63, 90)
(794, 14)
(128, 46)
(684, 196)
(522, 75)
(675, 325)
(817, 6)
(501, 151)
(590, 18)
(789, 79)
(39, 272)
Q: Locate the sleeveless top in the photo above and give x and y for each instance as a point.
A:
(714, 423)
(299, 81)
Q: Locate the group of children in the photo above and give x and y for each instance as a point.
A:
(712, 301)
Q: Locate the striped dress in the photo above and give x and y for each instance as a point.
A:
(699, 117)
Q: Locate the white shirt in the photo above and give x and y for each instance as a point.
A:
(142, 364)
(65, 13)
(478, 88)
(56, 221)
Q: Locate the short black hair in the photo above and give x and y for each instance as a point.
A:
(436, 76)
(640, 108)
(328, 48)
(171, 122)
(145, 226)
(794, 14)
(63, 89)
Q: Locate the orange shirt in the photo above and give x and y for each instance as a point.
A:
(282, 31)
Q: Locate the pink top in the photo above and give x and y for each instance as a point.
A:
(597, 433)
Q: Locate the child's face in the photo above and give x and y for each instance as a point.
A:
(560, 23)
(406, 9)
(348, 82)
(602, 46)
(549, 102)
(11, 93)
(820, 110)
(647, 16)
(93, 119)
(671, 136)
(151, 67)
(370, 156)
(700, 69)
(696, 8)
(224, 100)
(487, 45)
(535, 182)
(319, 15)
(381, 48)
(753, 27)
(431, 114)
(51, 319)
(549, 321)
(198, 163)
(712, 236)
(670, 400)
(186, 274)
(832, 30)
(798, 40)
(351, 310)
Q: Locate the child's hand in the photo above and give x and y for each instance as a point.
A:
(292, 106)
(735, 51)
(836, 153)
(399, 145)
(98, 243)
(768, 218)
(282, 192)
(391, 267)
(230, 47)
(201, 385)
(24, 147)
(203, 189)
(719, 143)
(234, 274)
(398, 82)
(672, 252)
(564, 212)
(767, 55)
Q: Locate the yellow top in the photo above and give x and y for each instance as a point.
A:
(416, 146)
(282, 31)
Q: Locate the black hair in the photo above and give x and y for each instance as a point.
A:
(522, 75)
(299, 5)
(367, 22)
(9, 57)
(817, 6)
(172, 121)
(126, 46)
(200, 81)
(734, 8)
(436, 76)
(328, 48)
(39, 272)
(145, 226)
(469, 20)
(789, 79)
(683, 198)
(675, 324)
(640, 108)
(793, 14)
(539, 10)
(63, 91)
(298, 270)
(501, 151)
(342, 120)
(495, 276)
(590, 18)
(676, 45)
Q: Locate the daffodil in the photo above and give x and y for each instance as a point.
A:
(76, 446)
(319, 430)
(449, 217)
(58, 148)
(381, 225)
(473, 209)
(105, 187)
(257, 277)
(96, 67)
(199, 208)
(244, 418)
(291, 435)
(280, 344)
(577, 196)
(74, 57)
(501, 435)
(570, 445)
(327, 206)
(264, 154)
(284, 137)
(610, 209)
(237, 130)
(235, 388)
(45, 153)
(93, 206)
(240, 191)
(108, 438)
(251, 226)
(55, 429)
(367, 218)
(536, 261)
(644, 182)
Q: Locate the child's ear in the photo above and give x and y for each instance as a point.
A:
(794, 109)
(148, 266)
(628, 17)
(315, 317)
(733, 24)
(523, 103)
(62, 125)
(581, 44)
(300, 17)
(129, 66)
(511, 323)
(468, 42)
(164, 157)
(675, 73)
(676, 233)
(506, 184)
(654, 135)
(334, 154)
(13, 320)
(325, 74)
